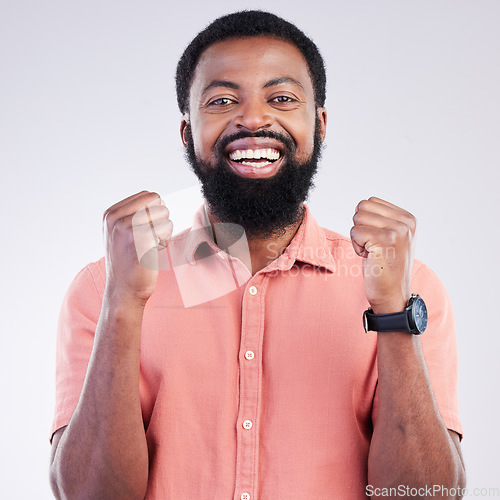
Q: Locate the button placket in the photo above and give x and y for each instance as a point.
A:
(250, 390)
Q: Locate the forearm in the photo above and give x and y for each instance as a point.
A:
(103, 451)
(411, 445)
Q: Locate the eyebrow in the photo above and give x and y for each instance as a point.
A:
(271, 83)
(220, 83)
(283, 79)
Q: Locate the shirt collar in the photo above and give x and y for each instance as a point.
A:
(200, 238)
(308, 245)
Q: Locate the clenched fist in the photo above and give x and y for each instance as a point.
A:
(384, 235)
(134, 228)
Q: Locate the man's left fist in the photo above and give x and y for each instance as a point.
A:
(384, 235)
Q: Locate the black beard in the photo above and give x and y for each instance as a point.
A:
(265, 208)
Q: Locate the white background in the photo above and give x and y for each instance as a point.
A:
(88, 116)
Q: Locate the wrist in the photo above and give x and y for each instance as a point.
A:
(411, 318)
(122, 305)
(120, 326)
(121, 297)
(390, 306)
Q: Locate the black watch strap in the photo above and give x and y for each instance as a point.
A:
(393, 322)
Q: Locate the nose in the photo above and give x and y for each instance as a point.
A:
(253, 114)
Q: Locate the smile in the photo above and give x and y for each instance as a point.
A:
(257, 158)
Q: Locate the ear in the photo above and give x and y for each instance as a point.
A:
(322, 122)
(184, 124)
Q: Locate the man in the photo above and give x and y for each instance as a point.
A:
(231, 361)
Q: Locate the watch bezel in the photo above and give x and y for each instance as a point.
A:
(413, 304)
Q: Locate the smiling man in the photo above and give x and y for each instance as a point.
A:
(231, 361)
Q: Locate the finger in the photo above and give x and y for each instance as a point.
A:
(384, 202)
(147, 237)
(370, 219)
(164, 229)
(370, 240)
(358, 241)
(150, 213)
(136, 203)
(360, 250)
(125, 201)
(387, 210)
(376, 204)
(161, 228)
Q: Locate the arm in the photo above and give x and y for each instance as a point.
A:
(411, 445)
(102, 452)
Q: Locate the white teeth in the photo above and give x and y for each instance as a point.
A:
(255, 164)
(270, 154)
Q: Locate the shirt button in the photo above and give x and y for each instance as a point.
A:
(249, 355)
(247, 424)
(245, 496)
(253, 290)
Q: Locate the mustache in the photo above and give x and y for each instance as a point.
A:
(287, 141)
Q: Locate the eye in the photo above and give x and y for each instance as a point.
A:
(283, 99)
(221, 101)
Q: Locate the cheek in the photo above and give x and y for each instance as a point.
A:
(205, 132)
(304, 133)
(199, 137)
(305, 143)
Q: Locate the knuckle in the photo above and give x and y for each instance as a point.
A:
(409, 218)
(412, 222)
(164, 211)
(152, 196)
(118, 225)
(106, 216)
(121, 224)
(404, 229)
(167, 226)
(391, 237)
(362, 205)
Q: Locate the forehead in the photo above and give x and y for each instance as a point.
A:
(254, 60)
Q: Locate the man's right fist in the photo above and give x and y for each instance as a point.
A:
(134, 228)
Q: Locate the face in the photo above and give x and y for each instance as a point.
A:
(253, 126)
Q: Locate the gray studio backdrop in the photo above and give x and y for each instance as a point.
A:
(88, 116)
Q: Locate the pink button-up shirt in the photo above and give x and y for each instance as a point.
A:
(256, 387)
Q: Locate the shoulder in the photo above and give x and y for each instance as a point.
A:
(89, 281)
(340, 247)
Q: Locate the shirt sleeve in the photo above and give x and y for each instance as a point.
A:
(439, 345)
(78, 318)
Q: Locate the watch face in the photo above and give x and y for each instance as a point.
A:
(420, 314)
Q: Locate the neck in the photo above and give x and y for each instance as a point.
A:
(261, 251)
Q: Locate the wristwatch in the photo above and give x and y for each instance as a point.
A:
(413, 319)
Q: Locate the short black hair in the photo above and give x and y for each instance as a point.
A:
(245, 24)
